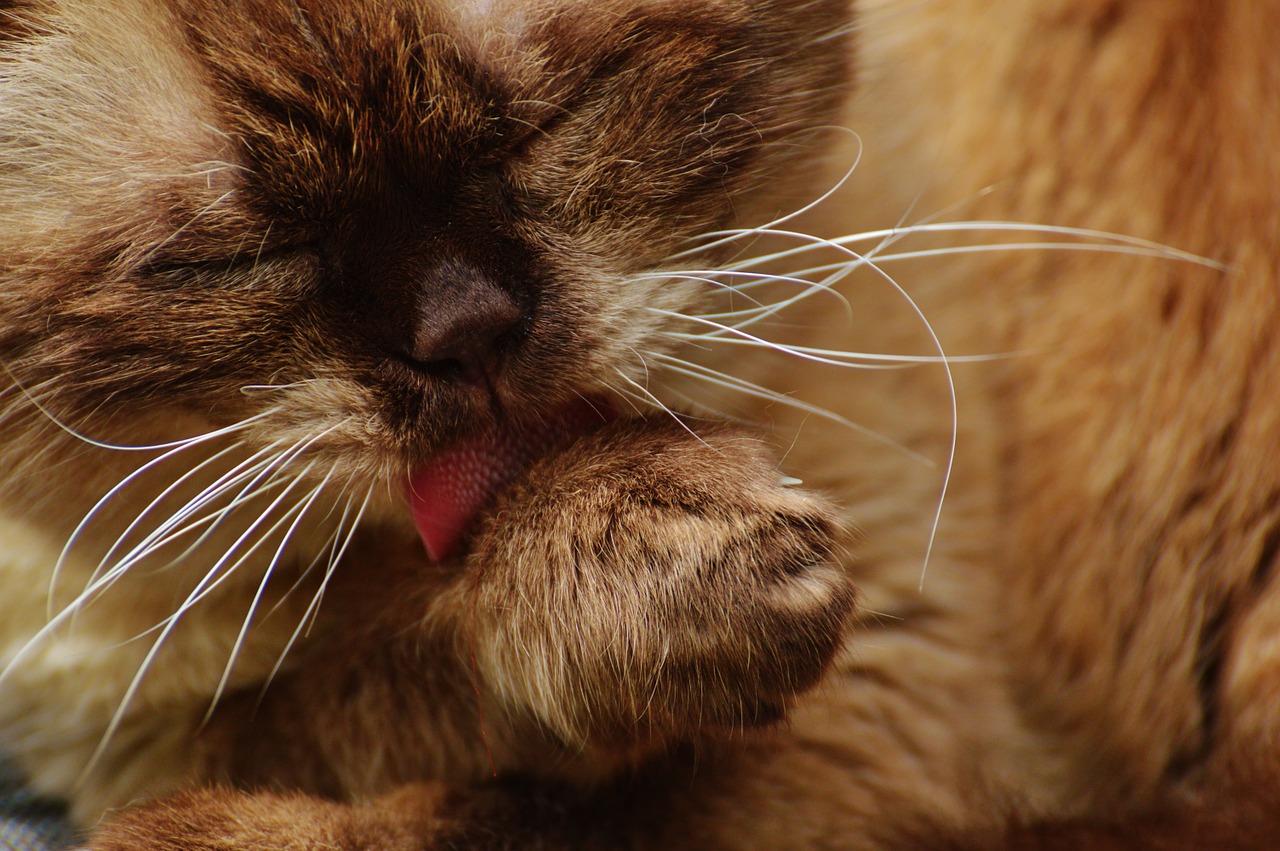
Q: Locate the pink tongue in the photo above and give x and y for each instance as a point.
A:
(447, 493)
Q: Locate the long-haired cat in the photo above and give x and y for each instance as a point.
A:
(556, 424)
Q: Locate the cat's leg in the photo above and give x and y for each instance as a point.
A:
(771, 796)
(641, 587)
(208, 819)
(865, 764)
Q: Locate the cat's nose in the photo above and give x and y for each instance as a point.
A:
(465, 328)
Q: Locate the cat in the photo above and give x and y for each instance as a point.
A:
(435, 424)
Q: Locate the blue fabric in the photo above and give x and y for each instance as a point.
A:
(29, 823)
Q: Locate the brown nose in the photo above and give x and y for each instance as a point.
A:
(466, 326)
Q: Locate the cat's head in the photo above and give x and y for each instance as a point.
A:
(406, 217)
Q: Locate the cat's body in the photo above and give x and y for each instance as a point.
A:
(195, 201)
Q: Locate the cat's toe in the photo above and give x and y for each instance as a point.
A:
(763, 632)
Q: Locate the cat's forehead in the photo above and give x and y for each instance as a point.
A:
(325, 103)
(332, 102)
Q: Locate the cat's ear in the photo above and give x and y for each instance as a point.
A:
(662, 110)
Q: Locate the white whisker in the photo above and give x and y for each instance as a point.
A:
(127, 448)
(1101, 240)
(271, 470)
(658, 403)
(860, 260)
(233, 549)
(92, 513)
(838, 273)
(137, 520)
(710, 276)
(171, 529)
(249, 468)
(299, 513)
(757, 279)
(721, 238)
(212, 579)
(1136, 250)
(839, 357)
(329, 542)
(313, 608)
(741, 385)
(833, 357)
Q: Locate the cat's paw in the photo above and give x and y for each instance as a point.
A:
(214, 819)
(646, 584)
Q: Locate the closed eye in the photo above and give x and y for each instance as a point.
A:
(179, 267)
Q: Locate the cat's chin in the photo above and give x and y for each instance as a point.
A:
(448, 492)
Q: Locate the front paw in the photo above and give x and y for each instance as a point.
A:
(646, 584)
(214, 819)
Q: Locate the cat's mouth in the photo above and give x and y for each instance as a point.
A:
(449, 491)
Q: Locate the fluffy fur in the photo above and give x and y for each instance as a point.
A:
(241, 248)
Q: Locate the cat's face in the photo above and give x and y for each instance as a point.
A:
(406, 217)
